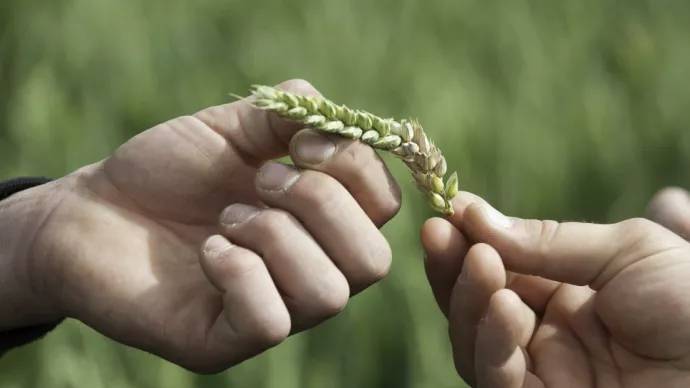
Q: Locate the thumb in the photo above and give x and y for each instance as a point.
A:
(570, 252)
(256, 134)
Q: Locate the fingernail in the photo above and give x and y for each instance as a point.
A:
(313, 148)
(496, 218)
(216, 244)
(238, 213)
(277, 176)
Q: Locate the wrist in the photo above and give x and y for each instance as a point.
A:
(23, 301)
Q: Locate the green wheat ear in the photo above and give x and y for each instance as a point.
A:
(405, 139)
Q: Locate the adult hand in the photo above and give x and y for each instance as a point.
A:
(537, 303)
(186, 243)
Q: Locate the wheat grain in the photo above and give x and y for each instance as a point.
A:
(404, 139)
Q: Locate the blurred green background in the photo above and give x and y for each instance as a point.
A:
(572, 110)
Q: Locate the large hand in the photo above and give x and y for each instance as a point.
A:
(122, 251)
(545, 304)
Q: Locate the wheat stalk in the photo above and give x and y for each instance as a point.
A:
(405, 139)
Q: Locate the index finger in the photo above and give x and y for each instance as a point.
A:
(356, 166)
(571, 252)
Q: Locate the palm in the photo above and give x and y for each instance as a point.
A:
(181, 172)
(594, 337)
(148, 208)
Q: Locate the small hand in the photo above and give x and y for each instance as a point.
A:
(186, 243)
(544, 304)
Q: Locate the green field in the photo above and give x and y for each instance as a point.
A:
(574, 110)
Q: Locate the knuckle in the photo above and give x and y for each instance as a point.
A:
(251, 338)
(269, 332)
(198, 359)
(389, 206)
(256, 334)
(376, 265)
(333, 300)
(547, 232)
(637, 225)
(641, 231)
(381, 262)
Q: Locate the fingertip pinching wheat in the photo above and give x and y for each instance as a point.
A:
(405, 139)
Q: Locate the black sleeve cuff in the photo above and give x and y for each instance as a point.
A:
(22, 336)
(16, 185)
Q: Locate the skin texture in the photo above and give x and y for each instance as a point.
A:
(534, 303)
(188, 243)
